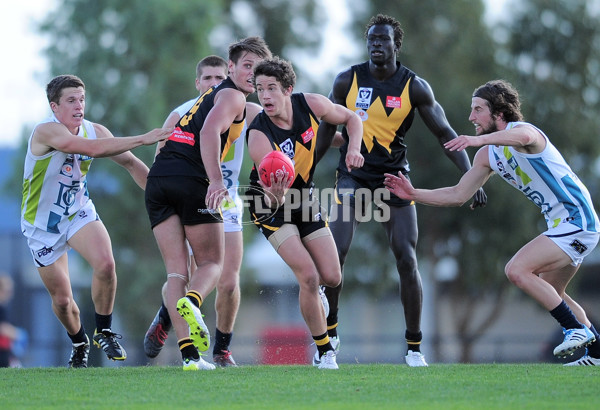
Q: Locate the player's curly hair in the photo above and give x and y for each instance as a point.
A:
(382, 19)
(276, 67)
(60, 82)
(502, 98)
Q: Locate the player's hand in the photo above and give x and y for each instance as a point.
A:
(461, 142)
(479, 199)
(157, 134)
(399, 185)
(275, 194)
(215, 194)
(354, 159)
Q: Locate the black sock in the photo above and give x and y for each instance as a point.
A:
(222, 341)
(164, 315)
(103, 322)
(563, 315)
(78, 337)
(413, 340)
(322, 342)
(187, 348)
(594, 348)
(332, 329)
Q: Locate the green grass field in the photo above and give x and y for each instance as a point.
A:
(489, 386)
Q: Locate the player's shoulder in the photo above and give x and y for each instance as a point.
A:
(344, 75)
(101, 130)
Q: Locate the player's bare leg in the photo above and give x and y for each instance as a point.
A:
(228, 297)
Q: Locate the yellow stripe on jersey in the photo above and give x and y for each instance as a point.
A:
(524, 177)
(379, 126)
(185, 120)
(235, 131)
(303, 157)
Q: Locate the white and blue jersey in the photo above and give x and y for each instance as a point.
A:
(548, 181)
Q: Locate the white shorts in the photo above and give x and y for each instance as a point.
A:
(47, 247)
(574, 241)
(232, 214)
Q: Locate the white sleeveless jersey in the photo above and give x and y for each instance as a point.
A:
(548, 181)
(232, 163)
(54, 184)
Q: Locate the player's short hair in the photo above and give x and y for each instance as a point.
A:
(255, 45)
(385, 20)
(276, 67)
(502, 98)
(210, 61)
(58, 83)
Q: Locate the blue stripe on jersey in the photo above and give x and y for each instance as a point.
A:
(583, 203)
(543, 171)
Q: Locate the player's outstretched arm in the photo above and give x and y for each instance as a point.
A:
(435, 119)
(524, 138)
(455, 195)
(55, 136)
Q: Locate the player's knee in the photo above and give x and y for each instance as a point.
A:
(331, 275)
(62, 303)
(309, 280)
(227, 286)
(105, 269)
(407, 267)
(514, 275)
(332, 278)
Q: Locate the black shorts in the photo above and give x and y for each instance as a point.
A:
(349, 189)
(181, 195)
(307, 216)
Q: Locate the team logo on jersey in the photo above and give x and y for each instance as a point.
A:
(66, 196)
(287, 147)
(67, 167)
(393, 102)
(308, 135)
(362, 114)
(363, 99)
(181, 136)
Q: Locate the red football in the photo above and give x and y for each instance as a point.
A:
(278, 163)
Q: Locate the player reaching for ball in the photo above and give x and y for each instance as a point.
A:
(525, 158)
(294, 225)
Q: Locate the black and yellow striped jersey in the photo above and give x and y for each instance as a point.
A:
(387, 113)
(181, 153)
(298, 143)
